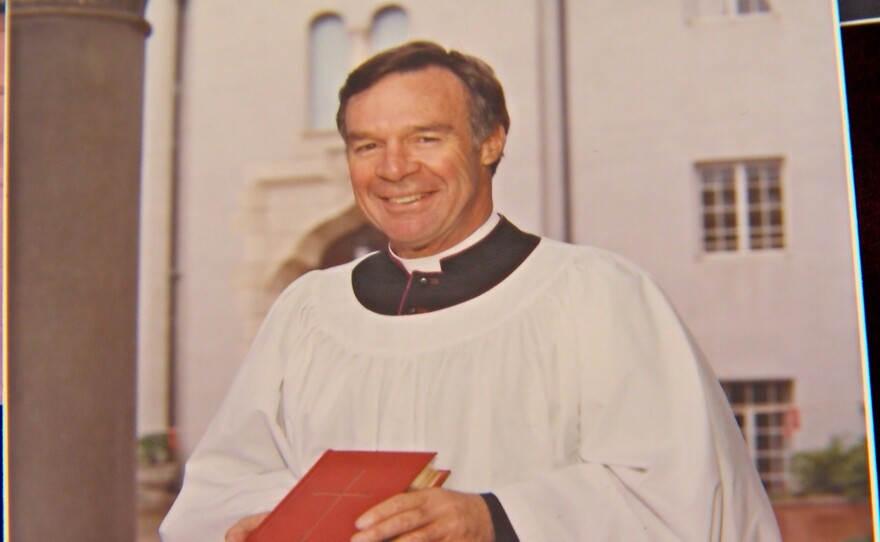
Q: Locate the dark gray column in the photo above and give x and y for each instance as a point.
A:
(75, 95)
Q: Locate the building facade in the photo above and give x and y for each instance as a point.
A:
(702, 139)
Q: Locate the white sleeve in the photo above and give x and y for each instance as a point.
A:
(660, 457)
(240, 466)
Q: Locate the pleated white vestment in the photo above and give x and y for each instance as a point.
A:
(571, 391)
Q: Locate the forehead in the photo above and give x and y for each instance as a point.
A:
(431, 94)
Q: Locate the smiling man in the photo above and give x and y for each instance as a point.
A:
(418, 172)
(555, 381)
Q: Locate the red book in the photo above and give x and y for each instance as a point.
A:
(342, 485)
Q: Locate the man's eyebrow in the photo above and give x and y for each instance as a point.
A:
(438, 127)
(349, 136)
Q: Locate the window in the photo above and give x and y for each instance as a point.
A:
(752, 6)
(329, 50)
(766, 414)
(724, 8)
(742, 206)
(389, 29)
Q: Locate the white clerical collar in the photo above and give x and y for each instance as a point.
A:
(431, 264)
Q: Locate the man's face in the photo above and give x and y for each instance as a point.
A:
(415, 170)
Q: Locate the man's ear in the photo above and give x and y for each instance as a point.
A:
(493, 146)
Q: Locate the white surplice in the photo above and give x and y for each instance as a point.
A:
(571, 390)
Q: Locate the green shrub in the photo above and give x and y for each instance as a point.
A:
(155, 448)
(835, 470)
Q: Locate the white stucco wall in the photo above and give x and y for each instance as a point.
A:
(655, 93)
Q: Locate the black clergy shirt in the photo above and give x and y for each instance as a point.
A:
(383, 285)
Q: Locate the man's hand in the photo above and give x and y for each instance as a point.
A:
(427, 515)
(240, 531)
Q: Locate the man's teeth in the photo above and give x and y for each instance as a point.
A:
(406, 199)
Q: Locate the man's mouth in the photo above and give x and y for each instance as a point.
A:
(407, 199)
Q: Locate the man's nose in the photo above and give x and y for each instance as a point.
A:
(396, 163)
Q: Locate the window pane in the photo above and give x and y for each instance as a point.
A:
(769, 420)
(730, 242)
(754, 193)
(729, 196)
(759, 394)
(389, 29)
(765, 205)
(729, 220)
(761, 406)
(708, 197)
(754, 218)
(776, 217)
(783, 391)
(752, 6)
(329, 63)
(776, 241)
(770, 442)
(752, 175)
(719, 207)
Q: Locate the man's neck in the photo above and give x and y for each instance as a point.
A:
(431, 264)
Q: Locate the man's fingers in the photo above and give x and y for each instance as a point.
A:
(427, 515)
(395, 516)
(240, 531)
(390, 507)
(405, 523)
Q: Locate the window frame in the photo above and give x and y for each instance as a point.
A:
(771, 236)
(780, 409)
(752, 7)
(314, 123)
(379, 42)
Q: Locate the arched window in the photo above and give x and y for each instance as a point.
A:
(389, 28)
(329, 50)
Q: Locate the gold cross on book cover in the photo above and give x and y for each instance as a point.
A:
(340, 486)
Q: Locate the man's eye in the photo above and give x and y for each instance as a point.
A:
(428, 139)
(364, 147)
